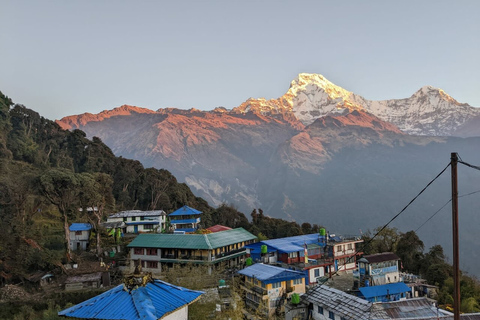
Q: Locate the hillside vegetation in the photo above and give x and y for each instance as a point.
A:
(47, 174)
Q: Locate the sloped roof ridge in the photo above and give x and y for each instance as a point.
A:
(207, 241)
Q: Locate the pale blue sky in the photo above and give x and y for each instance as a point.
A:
(70, 57)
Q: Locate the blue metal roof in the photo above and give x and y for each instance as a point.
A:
(379, 291)
(80, 227)
(184, 221)
(290, 244)
(186, 229)
(151, 302)
(185, 211)
(270, 274)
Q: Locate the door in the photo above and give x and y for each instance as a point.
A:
(135, 229)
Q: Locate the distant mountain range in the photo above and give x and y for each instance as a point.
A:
(319, 154)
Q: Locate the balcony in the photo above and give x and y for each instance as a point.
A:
(259, 290)
(181, 258)
(229, 253)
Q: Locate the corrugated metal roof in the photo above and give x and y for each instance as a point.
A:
(185, 211)
(292, 244)
(218, 228)
(269, 274)
(192, 241)
(185, 229)
(410, 308)
(84, 277)
(346, 305)
(380, 257)
(467, 316)
(137, 213)
(379, 291)
(80, 227)
(151, 302)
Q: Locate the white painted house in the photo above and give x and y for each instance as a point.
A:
(79, 236)
(137, 221)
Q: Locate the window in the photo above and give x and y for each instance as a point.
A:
(316, 272)
(151, 251)
(124, 219)
(138, 250)
(263, 285)
(349, 246)
(148, 227)
(134, 218)
(142, 218)
(78, 233)
(331, 315)
(297, 281)
(292, 255)
(320, 310)
(276, 285)
(152, 264)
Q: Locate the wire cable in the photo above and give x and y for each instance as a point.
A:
(469, 165)
(348, 260)
(411, 201)
(433, 215)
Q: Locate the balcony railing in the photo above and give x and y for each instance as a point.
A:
(184, 257)
(229, 253)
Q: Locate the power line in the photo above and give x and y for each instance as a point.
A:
(411, 201)
(469, 165)
(433, 215)
(348, 260)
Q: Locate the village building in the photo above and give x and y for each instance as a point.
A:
(79, 236)
(378, 269)
(144, 300)
(385, 292)
(268, 288)
(185, 219)
(159, 251)
(324, 303)
(317, 254)
(87, 281)
(137, 221)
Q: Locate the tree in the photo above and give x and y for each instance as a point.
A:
(384, 241)
(60, 187)
(410, 251)
(95, 193)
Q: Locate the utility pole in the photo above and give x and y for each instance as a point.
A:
(456, 266)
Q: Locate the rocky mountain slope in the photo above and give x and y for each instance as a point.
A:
(319, 153)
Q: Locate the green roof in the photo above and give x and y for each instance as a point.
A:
(192, 241)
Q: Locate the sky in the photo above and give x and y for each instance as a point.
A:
(62, 58)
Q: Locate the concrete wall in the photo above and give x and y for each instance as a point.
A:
(180, 314)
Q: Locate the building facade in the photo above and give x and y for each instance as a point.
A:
(268, 288)
(185, 219)
(79, 236)
(159, 251)
(137, 221)
(315, 254)
(378, 269)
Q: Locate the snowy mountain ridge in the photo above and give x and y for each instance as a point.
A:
(429, 111)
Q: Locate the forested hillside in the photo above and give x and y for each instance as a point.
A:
(47, 174)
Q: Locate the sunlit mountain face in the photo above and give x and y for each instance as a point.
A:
(319, 154)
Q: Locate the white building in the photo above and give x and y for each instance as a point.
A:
(79, 236)
(137, 221)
